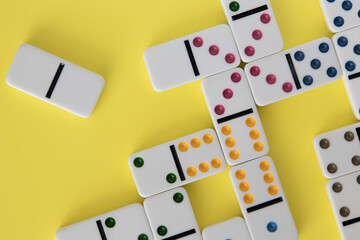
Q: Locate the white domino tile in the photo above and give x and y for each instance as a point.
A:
(232, 229)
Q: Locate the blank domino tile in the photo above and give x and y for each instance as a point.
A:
(341, 14)
(55, 80)
(235, 117)
(293, 71)
(344, 195)
(129, 222)
(338, 151)
(232, 229)
(254, 27)
(177, 162)
(192, 57)
(347, 45)
(262, 200)
(171, 216)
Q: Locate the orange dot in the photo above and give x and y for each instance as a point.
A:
(183, 146)
(273, 190)
(254, 134)
(204, 167)
(234, 154)
(230, 142)
(269, 178)
(195, 142)
(264, 165)
(244, 186)
(250, 122)
(226, 130)
(208, 138)
(216, 163)
(191, 171)
(248, 198)
(240, 174)
(259, 146)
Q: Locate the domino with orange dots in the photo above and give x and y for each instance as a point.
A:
(262, 200)
(177, 162)
(235, 117)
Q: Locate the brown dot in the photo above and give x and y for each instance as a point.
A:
(344, 211)
(337, 187)
(324, 143)
(358, 179)
(349, 136)
(332, 168)
(356, 160)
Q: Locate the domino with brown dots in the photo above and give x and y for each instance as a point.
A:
(338, 151)
(262, 200)
(177, 162)
(235, 117)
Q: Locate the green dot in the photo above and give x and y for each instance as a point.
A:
(171, 178)
(110, 222)
(234, 6)
(138, 162)
(178, 197)
(162, 230)
(143, 237)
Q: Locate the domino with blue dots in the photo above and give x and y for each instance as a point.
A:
(341, 15)
(232, 229)
(347, 45)
(262, 200)
(293, 71)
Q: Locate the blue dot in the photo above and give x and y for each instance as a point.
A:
(357, 49)
(331, 72)
(272, 227)
(299, 56)
(359, 13)
(347, 5)
(315, 64)
(338, 21)
(308, 80)
(342, 41)
(331, 1)
(350, 66)
(324, 47)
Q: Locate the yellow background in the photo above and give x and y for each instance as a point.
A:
(57, 168)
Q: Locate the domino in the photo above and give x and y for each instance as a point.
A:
(55, 80)
(177, 162)
(347, 46)
(235, 117)
(192, 57)
(232, 229)
(254, 27)
(262, 200)
(129, 222)
(344, 195)
(341, 14)
(171, 216)
(293, 71)
(338, 151)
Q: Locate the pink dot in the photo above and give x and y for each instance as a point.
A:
(236, 77)
(249, 51)
(219, 109)
(228, 93)
(214, 50)
(287, 87)
(265, 18)
(271, 79)
(257, 34)
(255, 71)
(230, 58)
(198, 42)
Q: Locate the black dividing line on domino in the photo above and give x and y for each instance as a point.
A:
(350, 221)
(236, 115)
(191, 57)
(353, 76)
(101, 230)
(181, 235)
(358, 132)
(264, 205)
(293, 71)
(55, 80)
(250, 12)
(177, 163)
